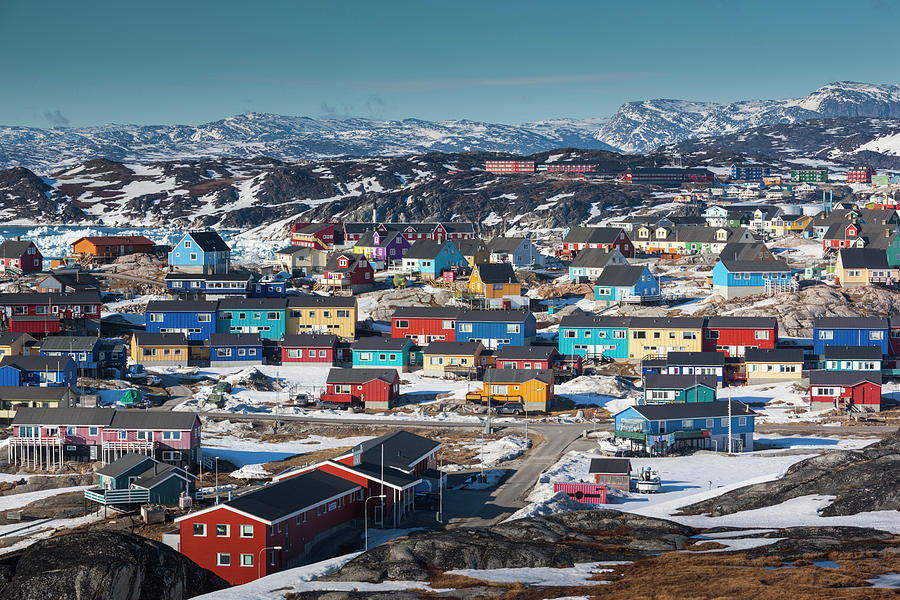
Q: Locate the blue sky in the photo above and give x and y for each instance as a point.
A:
(95, 62)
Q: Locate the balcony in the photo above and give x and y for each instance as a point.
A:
(630, 435)
(127, 496)
(53, 440)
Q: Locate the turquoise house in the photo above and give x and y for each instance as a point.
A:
(591, 336)
(382, 352)
(139, 479)
(624, 283)
(429, 258)
(201, 252)
(265, 316)
(660, 389)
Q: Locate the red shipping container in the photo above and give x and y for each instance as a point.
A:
(586, 493)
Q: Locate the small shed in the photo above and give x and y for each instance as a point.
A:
(614, 473)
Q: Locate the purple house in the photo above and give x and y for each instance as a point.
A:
(382, 246)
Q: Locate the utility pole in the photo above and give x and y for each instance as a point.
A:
(729, 420)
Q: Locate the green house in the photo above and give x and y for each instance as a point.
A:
(138, 479)
(669, 389)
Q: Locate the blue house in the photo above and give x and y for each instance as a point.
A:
(428, 258)
(84, 350)
(235, 349)
(737, 278)
(212, 285)
(666, 428)
(267, 288)
(265, 316)
(196, 319)
(496, 328)
(382, 352)
(621, 283)
(591, 336)
(201, 252)
(852, 358)
(38, 370)
(850, 331)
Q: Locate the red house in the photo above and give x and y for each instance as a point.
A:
(348, 272)
(22, 255)
(841, 235)
(733, 335)
(307, 348)
(376, 389)
(845, 390)
(43, 313)
(425, 324)
(579, 238)
(271, 528)
(860, 175)
(322, 236)
(537, 357)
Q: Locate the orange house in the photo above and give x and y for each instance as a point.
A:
(494, 281)
(112, 246)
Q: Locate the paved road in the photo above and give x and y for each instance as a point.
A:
(177, 392)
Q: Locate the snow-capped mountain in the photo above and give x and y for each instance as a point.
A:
(285, 138)
(646, 125)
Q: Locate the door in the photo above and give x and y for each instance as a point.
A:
(93, 452)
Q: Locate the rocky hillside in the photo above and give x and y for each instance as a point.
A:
(862, 480)
(845, 141)
(242, 193)
(103, 566)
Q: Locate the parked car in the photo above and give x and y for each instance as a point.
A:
(428, 501)
(511, 408)
(136, 372)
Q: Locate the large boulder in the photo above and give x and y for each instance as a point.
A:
(103, 565)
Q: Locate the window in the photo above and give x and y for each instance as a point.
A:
(123, 435)
(587, 333)
(876, 335)
(226, 315)
(142, 435)
(242, 351)
(223, 352)
(193, 256)
(570, 333)
(222, 530)
(712, 334)
(761, 335)
(465, 328)
(70, 431)
(204, 318)
(826, 335)
(709, 422)
(604, 291)
(92, 431)
(382, 357)
(365, 356)
(223, 559)
(199, 529)
(187, 243)
(323, 354)
(742, 421)
(273, 315)
(619, 334)
(402, 324)
(639, 335)
(689, 335)
(246, 531)
(343, 314)
(687, 423)
(246, 560)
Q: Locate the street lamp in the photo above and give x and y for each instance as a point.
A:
(366, 516)
(259, 566)
(216, 491)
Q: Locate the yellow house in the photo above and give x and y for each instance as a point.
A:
(656, 337)
(322, 314)
(12, 397)
(773, 364)
(159, 349)
(532, 387)
(857, 267)
(784, 224)
(300, 259)
(14, 344)
(473, 250)
(453, 359)
(494, 281)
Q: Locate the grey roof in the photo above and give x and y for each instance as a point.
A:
(309, 340)
(376, 343)
(391, 475)
(610, 466)
(677, 382)
(34, 392)
(741, 322)
(666, 322)
(124, 464)
(692, 410)
(209, 241)
(190, 306)
(426, 312)
(8, 338)
(592, 258)
(424, 249)
(354, 260)
(592, 235)
(822, 377)
(356, 375)
(63, 416)
(505, 244)
(496, 273)
(755, 266)
(620, 275)
(517, 375)
(525, 352)
(76, 281)
(91, 297)
(863, 258)
(853, 352)
(37, 362)
(145, 338)
(234, 339)
(744, 250)
(234, 275)
(14, 248)
(81, 343)
(283, 498)
(777, 355)
(321, 301)
(700, 359)
(583, 319)
(850, 323)
(249, 304)
(401, 449)
(153, 420)
(468, 246)
(158, 473)
(497, 316)
(457, 348)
